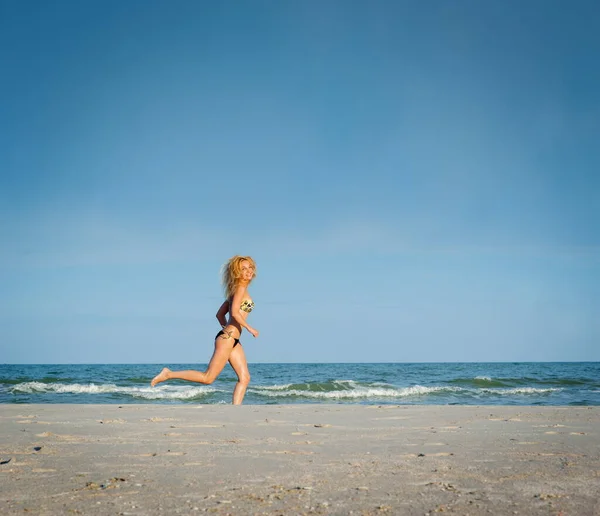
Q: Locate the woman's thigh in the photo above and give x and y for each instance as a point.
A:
(237, 359)
(220, 356)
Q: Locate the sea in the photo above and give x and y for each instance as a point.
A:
(514, 383)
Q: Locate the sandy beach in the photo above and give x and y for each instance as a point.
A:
(299, 459)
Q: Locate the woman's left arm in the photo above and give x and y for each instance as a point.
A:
(222, 312)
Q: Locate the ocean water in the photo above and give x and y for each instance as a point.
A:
(552, 383)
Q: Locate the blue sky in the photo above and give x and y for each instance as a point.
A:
(417, 181)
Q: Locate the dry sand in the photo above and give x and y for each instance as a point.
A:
(299, 459)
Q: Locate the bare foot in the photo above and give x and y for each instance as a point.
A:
(161, 377)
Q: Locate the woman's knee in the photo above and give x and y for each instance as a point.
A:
(244, 378)
(209, 377)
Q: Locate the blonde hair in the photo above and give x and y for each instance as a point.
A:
(231, 272)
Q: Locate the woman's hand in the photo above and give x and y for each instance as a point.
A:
(253, 331)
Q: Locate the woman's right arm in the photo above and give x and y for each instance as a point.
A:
(222, 312)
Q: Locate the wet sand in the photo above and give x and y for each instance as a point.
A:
(299, 459)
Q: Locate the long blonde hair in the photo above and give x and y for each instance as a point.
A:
(231, 272)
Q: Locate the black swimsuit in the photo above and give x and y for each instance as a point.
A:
(235, 341)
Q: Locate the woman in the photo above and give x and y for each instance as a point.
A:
(237, 274)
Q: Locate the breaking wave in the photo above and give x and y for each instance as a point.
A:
(148, 393)
(351, 390)
(333, 390)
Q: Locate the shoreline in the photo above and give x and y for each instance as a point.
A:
(299, 459)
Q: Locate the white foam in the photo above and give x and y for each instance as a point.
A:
(520, 390)
(342, 384)
(276, 387)
(150, 393)
(358, 392)
(485, 378)
(183, 393)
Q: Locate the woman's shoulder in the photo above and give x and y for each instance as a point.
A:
(237, 291)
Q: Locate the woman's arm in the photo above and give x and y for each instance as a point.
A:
(222, 312)
(235, 313)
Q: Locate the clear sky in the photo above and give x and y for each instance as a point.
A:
(417, 181)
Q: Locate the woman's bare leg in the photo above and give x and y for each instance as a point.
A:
(237, 359)
(217, 363)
